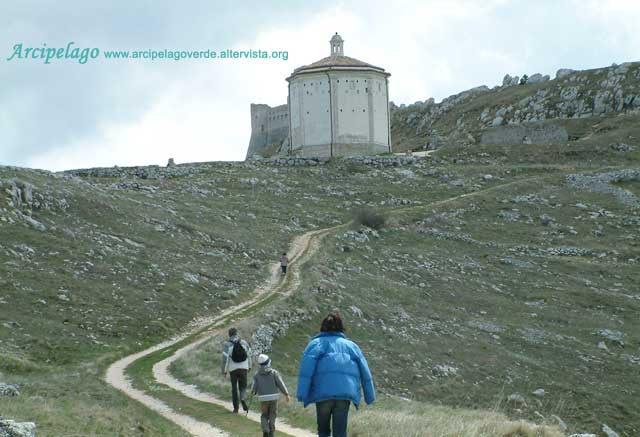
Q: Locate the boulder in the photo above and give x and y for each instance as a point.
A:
(9, 389)
(510, 80)
(11, 428)
(563, 72)
(538, 78)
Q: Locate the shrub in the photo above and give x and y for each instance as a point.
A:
(369, 218)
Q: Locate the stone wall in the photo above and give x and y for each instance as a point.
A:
(537, 133)
(269, 128)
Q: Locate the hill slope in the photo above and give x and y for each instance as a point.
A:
(514, 286)
(575, 100)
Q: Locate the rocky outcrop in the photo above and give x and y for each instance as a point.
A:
(9, 390)
(23, 199)
(11, 428)
(462, 118)
(574, 95)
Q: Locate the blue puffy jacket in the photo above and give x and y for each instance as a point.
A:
(333, 367)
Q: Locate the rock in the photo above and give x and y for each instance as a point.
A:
(621, 147)
(537, 78)
(563, 426)
(497, 121)
(631, 358)
(602, 345)
(510, 81)
(582, 435)
(444, 370)
(581, 206)
(546, 220)
(539, 392)
(569, 94)
(9, 389)
(171, 163)
(356, 311)
(487, 177)
(11, 428)
(35, 223)
(563, 72)
(614, 336)
(516, 398)
(608, 431)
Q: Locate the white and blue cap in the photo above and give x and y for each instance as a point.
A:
(263, 359)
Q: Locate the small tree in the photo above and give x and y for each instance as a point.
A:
(369, 218)
(524, 79)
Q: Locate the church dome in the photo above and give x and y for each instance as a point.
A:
(336, 61)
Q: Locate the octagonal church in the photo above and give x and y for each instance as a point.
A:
(337, 106)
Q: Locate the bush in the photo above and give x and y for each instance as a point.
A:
(369, 218)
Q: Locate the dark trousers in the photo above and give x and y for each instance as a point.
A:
(284, 269)
(332, 414)
(269, 410)
(238, 382)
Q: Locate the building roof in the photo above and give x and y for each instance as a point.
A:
(337, 61)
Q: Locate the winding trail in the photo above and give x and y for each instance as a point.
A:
(301, 249)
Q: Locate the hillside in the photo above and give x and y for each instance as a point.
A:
(505, 280)
(574, 100)
(528, 282)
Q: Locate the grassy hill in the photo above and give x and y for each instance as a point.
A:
(574, 101)
(501, 270)
(513, 287)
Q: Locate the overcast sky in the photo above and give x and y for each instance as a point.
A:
(66, 115)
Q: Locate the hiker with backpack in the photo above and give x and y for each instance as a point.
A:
(332, 371)
(268, 385)
(236, 361)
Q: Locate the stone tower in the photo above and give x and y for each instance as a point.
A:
(338, 106)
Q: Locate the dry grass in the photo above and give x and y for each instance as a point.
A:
(408, 419)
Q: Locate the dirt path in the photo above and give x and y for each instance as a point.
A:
(301, 249)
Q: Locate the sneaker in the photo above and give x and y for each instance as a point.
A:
(245, 407)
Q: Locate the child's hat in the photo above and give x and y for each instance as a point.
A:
(263, 359)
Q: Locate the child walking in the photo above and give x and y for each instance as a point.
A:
(268, 385)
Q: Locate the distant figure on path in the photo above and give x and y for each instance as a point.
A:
(331, 373)
(236, 361)
(268, 385)
(284, 262)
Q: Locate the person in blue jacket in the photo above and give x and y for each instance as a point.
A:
(331, 373)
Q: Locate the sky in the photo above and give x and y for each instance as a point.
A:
(105, 112)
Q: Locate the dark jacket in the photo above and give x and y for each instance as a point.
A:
(333, 367)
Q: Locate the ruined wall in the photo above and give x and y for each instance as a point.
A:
(536, 133)
(269, 127)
